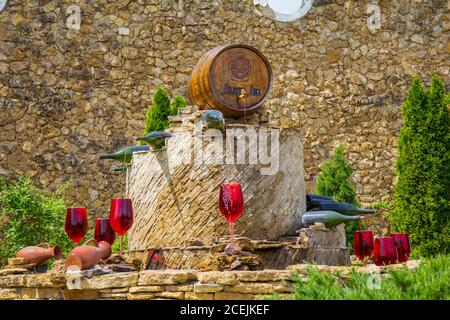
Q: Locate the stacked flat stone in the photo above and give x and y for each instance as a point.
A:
(18, 266)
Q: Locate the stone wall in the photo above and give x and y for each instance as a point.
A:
(67, 95)
(166, 284)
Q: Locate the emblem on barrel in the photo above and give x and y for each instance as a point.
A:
(235, 79)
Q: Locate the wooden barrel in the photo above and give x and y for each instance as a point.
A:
(235, 79)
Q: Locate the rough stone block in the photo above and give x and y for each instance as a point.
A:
(12, 281)
(116, 280)
(145, 289)
(226, 278)
(207, 287)
(140, 296)
(29, 293)
(8, 294)
(46, 280)
(17, 261)
(170, 295)
(198, 296)
(87, 294)
(233, 296)
(49, 294)
(263, 276)
(182, 288)
(156, 277)
(255, 288)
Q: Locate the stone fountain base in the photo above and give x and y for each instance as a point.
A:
(312, 245)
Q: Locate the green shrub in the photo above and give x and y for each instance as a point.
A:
(383, 205)
(334, 181)
(30, 216)
(430, 281)
(157, 114)
(177, 103)
(422, 192)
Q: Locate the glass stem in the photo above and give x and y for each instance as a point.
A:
(126, 181)
(121, 244)
(232, 232)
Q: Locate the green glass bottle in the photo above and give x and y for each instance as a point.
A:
(213, 119)
(155, 139)
(124, 154)
(329, 218)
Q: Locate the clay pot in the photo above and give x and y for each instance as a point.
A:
(40, 253)
(86, 256)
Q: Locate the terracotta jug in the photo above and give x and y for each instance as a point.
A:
(86, 256)
(40, 253)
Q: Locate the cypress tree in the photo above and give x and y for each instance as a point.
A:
(334, 181)
(422, 192)
(177, 103)
(157, 114)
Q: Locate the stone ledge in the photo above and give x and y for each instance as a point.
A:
(168, 284)
(156, 277)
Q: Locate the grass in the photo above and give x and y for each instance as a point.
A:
(430, 281)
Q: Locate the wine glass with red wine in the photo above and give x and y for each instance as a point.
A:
(363, 245)
(231, 204)
(76, 224)
(403, 246)
(384, 251)
(121, 217)
(104, 231)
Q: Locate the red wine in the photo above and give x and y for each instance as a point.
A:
(384, 251)
(103, 231)
(76, 224)
(121, 215)
(363, 244)
(231, 202)
(403, 246)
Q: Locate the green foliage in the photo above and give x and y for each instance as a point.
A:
(30, 216)
(157, 114)
(116, 245)
(334, 181)
(177, 103)
(422, 192)
(430, 281)
(382, 205)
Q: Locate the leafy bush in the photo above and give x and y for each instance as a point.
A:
(383, 205)
(177, 103)
(157, 114)
(428, 282)
(422, 192)
(334, 181)
(30, 216)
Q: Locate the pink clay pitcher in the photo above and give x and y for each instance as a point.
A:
(40, 253)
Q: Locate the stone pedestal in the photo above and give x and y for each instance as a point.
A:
(176, 202)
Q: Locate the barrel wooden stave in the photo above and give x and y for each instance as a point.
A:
(222, 72)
